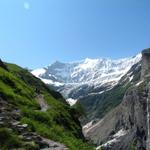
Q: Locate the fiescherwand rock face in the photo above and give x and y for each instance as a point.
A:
(127, 126)
(88, 74)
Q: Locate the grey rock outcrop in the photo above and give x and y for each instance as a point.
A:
(127, 126)
(145, 63)
(10, 118)
(128, 117)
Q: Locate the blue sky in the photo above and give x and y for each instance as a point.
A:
(35, 33)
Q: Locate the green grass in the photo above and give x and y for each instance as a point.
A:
(8, 139)
(58, 123)
(57, 133)
(133, 145)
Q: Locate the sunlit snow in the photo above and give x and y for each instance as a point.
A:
(71, 101)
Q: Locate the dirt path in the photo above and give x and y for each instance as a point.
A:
(51, 144)
(54, 145)
(43, 104)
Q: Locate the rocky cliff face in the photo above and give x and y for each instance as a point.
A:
(145, 63)
(127, 127)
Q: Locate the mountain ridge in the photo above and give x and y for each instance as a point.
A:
(67, 78)
(83, 64)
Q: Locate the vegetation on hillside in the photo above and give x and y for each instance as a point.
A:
(59, 123)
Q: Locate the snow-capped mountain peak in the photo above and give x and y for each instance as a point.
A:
(89, 64)
(38, 72)
(89, 72)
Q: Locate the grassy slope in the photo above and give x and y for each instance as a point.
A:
(59, 123)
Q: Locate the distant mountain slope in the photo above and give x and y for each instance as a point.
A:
(33, 116)
(127, 126)
(91, 82)
(95, 71)
(91, 73)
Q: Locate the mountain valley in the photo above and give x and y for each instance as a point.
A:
(113, 94)
(106, 105)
